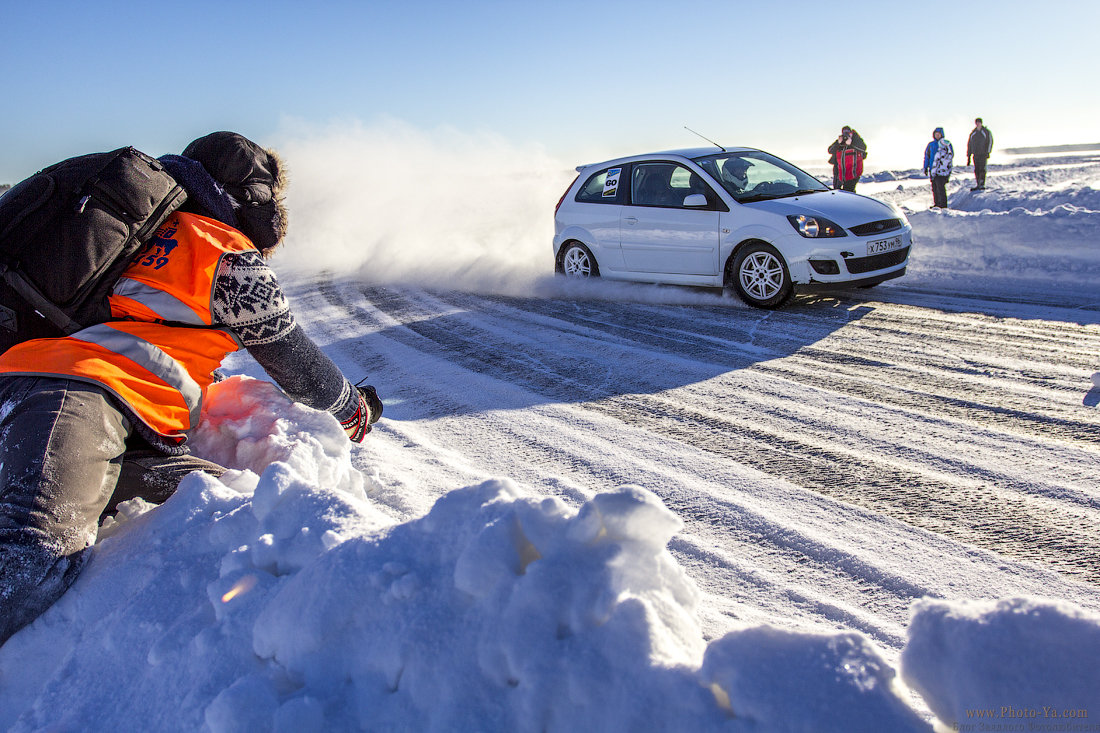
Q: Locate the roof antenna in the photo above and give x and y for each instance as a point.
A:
(706, 138)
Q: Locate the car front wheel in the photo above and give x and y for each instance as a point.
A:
(759, 276)
(577, 261)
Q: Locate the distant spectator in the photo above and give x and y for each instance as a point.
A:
(938, 158)
(846, 153)
(980, 147)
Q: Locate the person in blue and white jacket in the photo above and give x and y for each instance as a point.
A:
(939, 155)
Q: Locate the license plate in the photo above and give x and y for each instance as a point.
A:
(883, 245)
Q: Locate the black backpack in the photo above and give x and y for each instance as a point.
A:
(68, 232)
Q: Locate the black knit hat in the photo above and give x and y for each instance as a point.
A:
(255, 179)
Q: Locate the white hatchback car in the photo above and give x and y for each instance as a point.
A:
(736, 218)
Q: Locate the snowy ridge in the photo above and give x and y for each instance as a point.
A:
(1037, 220)
(1018, 242)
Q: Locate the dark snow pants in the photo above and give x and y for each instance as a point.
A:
(68, 456)
(939, 191)
(979, 170)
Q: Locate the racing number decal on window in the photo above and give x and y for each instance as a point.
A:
(611, 183)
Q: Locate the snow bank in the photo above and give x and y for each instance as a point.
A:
(1036, 223)
(1017, 244)
(273, 599)
(1018, 660)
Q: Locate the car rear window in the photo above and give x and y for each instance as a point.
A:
(602, 187)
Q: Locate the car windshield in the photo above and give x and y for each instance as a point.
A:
(755, 176)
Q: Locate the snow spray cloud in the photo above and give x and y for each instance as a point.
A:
(437, 208)
(395, 205)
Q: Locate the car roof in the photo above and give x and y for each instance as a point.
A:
(689, 153)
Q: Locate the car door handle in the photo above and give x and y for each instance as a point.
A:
(630, 219)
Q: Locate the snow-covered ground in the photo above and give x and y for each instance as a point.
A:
(616, 507)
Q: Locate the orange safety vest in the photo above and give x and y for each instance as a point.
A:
(159, 352)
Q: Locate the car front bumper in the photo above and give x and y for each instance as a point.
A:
(853, 262)
(815, 286)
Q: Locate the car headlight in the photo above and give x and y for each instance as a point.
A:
(815, 226)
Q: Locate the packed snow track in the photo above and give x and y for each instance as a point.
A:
(831, 461)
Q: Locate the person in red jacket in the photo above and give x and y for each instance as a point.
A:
(102, 416)
(846, 153)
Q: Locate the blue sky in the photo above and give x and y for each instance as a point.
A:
(581, 79)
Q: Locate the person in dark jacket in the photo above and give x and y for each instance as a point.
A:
(979, 147)
(846, 153)
(939, 155)
(102, 416)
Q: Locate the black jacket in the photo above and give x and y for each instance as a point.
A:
(980, 142)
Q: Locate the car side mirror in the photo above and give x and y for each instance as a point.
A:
(695, 199)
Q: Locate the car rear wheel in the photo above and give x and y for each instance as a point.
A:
(577, 261)
(759, 276)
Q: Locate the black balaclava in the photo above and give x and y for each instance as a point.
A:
(255, 179)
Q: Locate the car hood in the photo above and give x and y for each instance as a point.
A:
(844, 208)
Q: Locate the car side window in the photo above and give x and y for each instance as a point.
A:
(667, 184)
(602, 187)
(649, 185)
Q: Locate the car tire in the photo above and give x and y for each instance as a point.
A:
(577, 261)
(760, 277)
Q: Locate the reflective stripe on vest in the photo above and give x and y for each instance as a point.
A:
(151, 357)
(166, 306)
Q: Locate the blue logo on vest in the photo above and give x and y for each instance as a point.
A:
(155, 252)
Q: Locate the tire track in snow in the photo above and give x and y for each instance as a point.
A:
(953, 379)
(729, 572)
(781, 357)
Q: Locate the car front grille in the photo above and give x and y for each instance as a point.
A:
(876, 227)
(877, 262)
